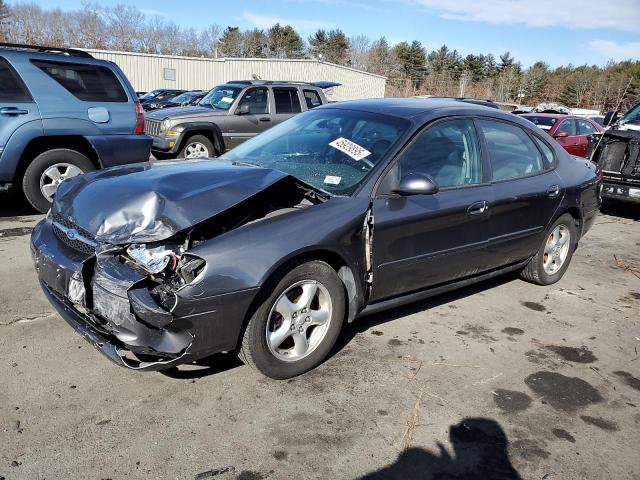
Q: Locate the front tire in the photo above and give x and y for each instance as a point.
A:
(297, 322)
(554, 255)
(47, 171)
(197, 146)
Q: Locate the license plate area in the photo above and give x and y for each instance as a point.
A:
(63, 280)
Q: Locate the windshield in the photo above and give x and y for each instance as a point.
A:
(185, 97)
(632, 116)
(332, 150)
(545, 123)
(220, 97)
(151, 94)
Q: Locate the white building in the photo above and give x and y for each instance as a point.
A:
(147, 72)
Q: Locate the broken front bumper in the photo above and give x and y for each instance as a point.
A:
(108, 303)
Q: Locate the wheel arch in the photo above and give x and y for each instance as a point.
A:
(209, 130)
(354, 292)
(43, 144)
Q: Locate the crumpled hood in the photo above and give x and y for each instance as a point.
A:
(179, 112)
(153, 201)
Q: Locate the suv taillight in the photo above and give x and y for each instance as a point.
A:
(139, 128)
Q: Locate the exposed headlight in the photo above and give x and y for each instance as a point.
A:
(153, 260)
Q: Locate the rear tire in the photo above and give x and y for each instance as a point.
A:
(39, 181)
(554, 255)
(197, 146)
(284, 345)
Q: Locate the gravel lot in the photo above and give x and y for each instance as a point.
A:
(495, 381)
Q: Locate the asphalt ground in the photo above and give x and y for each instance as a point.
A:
(499, 380)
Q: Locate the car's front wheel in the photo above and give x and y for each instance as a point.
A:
(554, 255)
(47, 171)
(296, 323)
(197, 146)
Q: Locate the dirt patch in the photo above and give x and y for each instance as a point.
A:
(629, 379)
(377, 333)
(528, 450)
(635, 295)
(538, 307)
(562, 392)
(394, 342)
(563, 435)
(601, 423)
(15, 232)
(510, 401)
(280, 455)
(512, 331)
(573, 354)
(479, 332)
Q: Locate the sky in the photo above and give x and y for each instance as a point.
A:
(556, 31)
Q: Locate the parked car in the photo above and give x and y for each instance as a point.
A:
(617, 153)
(63, 113)
(228, 115)
(183, 100)
(152, 99)
(570, 131)
(343, 210)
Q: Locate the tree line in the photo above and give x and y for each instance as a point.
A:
(411, 69)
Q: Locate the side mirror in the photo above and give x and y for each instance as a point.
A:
(243, 109)
(416, 184)
(562, 134)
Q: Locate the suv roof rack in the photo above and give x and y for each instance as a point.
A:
(322, 84)
(71, 52)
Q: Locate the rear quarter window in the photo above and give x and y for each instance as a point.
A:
(312, 98)
(90, 83)
(12, 89)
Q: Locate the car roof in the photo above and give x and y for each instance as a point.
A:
(549, 115)
(411, 106)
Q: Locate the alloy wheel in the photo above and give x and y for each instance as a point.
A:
(299, 320)
(54, 176)
(556, 249)
(196, 150)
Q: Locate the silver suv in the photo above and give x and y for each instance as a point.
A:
(228, 115)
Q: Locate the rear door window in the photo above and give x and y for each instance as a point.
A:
(585, 127)
(511, 151)
(287, 100)
(312, 98)
(568, 126)
(90, 83)
(12, 89)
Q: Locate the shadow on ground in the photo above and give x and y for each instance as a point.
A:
(226, 361)
(14, 205)
(621, 209)
(479, 452)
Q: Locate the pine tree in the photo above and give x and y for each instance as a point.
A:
(5, 13)
(284, 42)
(333, 46)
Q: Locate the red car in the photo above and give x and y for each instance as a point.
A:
(568, 130)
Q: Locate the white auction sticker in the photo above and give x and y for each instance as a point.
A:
(331, 180)
(352, 149)
(226, 99)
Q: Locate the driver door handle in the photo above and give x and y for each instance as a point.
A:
(264, 119)
(13, 111)
(478, 208)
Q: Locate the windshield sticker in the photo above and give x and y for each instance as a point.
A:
(226, 99)
(352, 149)
(331, 180)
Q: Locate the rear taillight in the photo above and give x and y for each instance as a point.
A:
(139, 128)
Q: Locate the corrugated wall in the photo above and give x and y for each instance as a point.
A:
(146, 72)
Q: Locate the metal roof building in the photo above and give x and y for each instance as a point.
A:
(147, 71)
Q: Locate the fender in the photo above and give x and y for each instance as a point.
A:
(14, 148)
(188, 127)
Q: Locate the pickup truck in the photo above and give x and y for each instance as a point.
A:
(617, 153)
(228, 115)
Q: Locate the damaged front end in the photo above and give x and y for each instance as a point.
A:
(617, 154)
(141, 302)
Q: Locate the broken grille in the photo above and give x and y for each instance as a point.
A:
(73, 236)
(152, 127)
